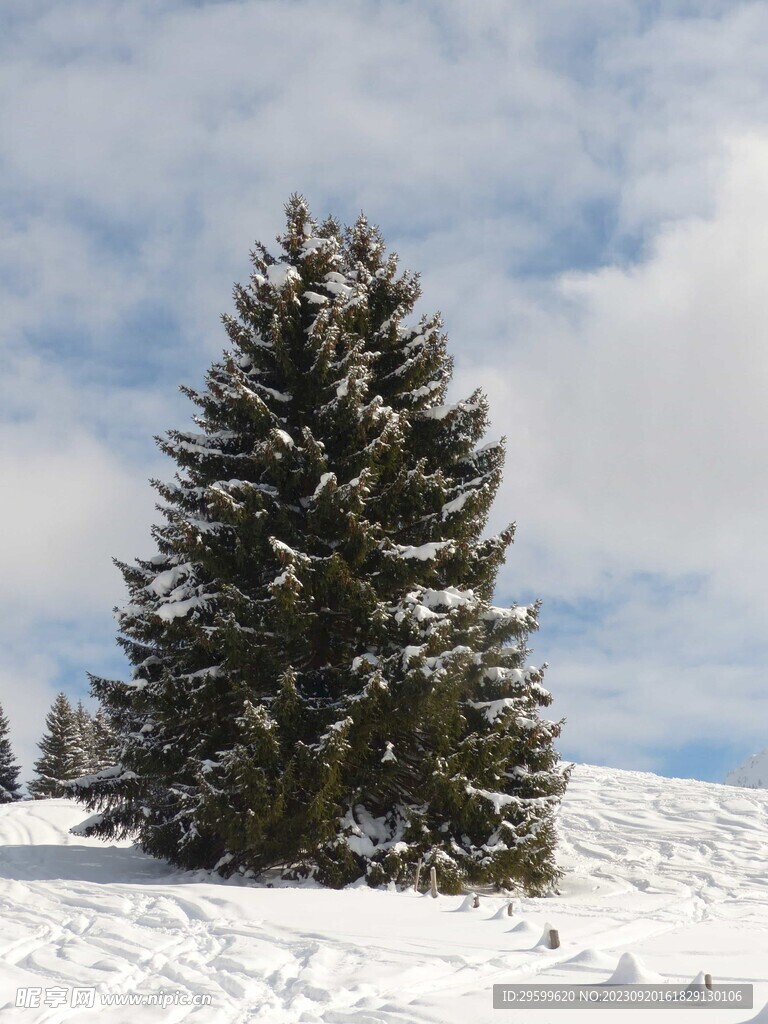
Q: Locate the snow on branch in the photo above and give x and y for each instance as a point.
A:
(281, 274)
(167, 581)
(439, 412)
(422, 552)
(178, 609)
(493, 708)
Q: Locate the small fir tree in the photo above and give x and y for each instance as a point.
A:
(10, 788)
(320, 681)
(83, 754)
(61, 755)
(105, 747)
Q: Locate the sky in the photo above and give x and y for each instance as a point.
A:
(583, 187)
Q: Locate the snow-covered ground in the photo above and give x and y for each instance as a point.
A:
(671, 871)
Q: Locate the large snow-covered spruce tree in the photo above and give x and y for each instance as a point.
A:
(321, 683)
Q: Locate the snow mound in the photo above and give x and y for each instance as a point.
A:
(524, 928)
(753, 773)
(761, 1018)
(630, 970)
(544, 940)
(467, 904)
(698, 980)
(593, 958)
(503, 912)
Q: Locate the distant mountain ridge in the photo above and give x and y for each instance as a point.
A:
(752, 773)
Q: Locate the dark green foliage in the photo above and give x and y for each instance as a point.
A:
(320, 681)
(97, 746)
(10, 788)
(61, 753)
(104, 749)
(83, 753)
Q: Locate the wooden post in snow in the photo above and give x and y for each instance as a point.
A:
(708, 981)
(554, 938)
(476, 902)
(433, 881)
(510, 909)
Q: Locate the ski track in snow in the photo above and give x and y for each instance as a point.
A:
(671, 870)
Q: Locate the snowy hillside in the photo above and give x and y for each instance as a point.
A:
(753, 772)
(670, 871)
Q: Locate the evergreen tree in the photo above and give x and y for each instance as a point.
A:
(83, 753)
(105, 748)
(60, 750)
(320, 680)
(10, 788)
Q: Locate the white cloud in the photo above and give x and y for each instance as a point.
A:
(27, 695)
(67, 509)
(69, 505)
(641, 399)
(638, 448)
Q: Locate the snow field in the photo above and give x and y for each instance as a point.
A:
(665, 879)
